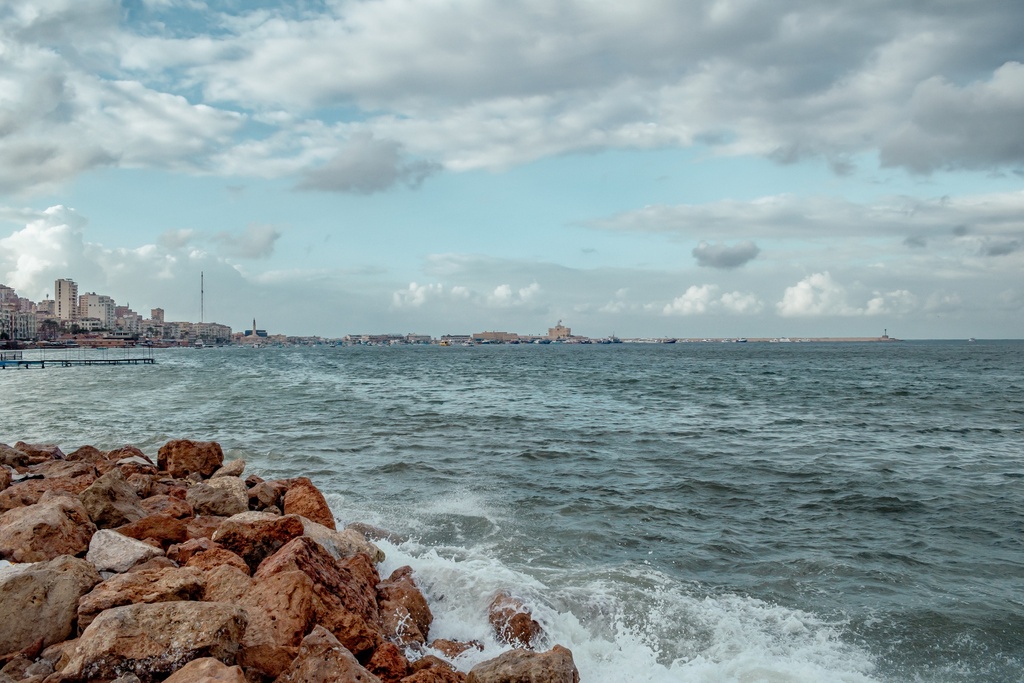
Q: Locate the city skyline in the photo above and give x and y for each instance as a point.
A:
(650, 170)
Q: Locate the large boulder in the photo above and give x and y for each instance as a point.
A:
(266, 494)
(161, 527)
(40, 452)
(165, 584)
(153, 640)
(110, 551)
(223, 496)
(232, 468)
(5, 477)
(405, 614)
(515, 666)
(183, 457)
(207, 670)
(57, 526)
(30, 491)
(225, 583)
(12, 457)
(322, 659)
(388, 663)
(175, 507)
(215, 557)
(111, 501)
(254, 536)
(39, 601)
(513, 622)
(281, 609)
(305, 499)
(87, 454)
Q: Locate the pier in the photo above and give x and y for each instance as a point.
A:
(16, 359)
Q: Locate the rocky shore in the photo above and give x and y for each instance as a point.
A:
(117, 568)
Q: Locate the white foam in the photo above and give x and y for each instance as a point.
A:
(633, 625)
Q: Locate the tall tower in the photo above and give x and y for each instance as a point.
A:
(65, 295)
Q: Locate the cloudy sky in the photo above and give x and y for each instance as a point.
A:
(649, 168)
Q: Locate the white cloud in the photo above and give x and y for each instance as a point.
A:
(700, 299)
(820, 295)
(256, 241)
(416, 295)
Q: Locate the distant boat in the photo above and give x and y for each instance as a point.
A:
(972, 339)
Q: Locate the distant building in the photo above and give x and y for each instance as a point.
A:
(98, 306)
(65, 294)
(559, 332)
(501, 337)
(157, 315)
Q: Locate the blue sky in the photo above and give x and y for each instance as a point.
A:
(653, 168)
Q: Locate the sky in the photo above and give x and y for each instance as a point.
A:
(652, 168)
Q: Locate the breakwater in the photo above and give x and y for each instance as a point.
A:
(119, 566)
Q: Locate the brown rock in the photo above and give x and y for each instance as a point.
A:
(30, 491)
(254, 536)
(162, 527)
(40, 452)
(282, 609)
(12, 457)
(209, 498)
(5, 477)
(512, 621)
(322, 659)
(430, 669)
(111, 502)
(232, 468)
(388, 663)
(128, 452)
(39, 601)
(215, 557)
(204, 526)
(454, 648)
(253, 479)
(153, 640)
(267, 494)
(110, 551)
(225, 583)
(405, 614)
(158, 562)
(87, 454)
(306, 500)
(183, 457)
(175, 507)
(142, 484)
(207, 670)
(352, 581)
(143, 586)
(341, 544)
(373, 533)
(554, 666)
(58, 526)
(62, 469)
(182, 552)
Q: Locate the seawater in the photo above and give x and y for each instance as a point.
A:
(689, 512)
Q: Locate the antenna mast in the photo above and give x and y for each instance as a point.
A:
(202, 299)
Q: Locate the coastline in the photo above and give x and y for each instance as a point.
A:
(181, 569)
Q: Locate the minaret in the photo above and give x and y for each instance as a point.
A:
(254, 328)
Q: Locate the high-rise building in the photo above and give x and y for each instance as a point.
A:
(98, 306)
(65, 295)
(157, 315)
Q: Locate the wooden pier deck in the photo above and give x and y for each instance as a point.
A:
(15, 359)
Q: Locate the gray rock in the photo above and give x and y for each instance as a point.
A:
(110, 551)
(232, 468)
(40, 601)
(219, 497)
(554, 666)
(111, 501)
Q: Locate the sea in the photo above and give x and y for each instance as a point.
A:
(699, 512)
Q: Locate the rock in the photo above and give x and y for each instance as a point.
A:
(265, 494)
(282, 609)
(225, 583)
(153, 640)
(58, 526)
(142, 484)
(222, 497)
(40, 452)
(182, 552)
(342, 544)
(111, 502)
(372, 533)
(207, 670)
(87, 454)
(232, 468)
(183, 457)
(40, 601)
(252, 480)
(161, 527)
(512, 621)
(388, 663)
(431, 669)
(304, 499)
(204, 526)
(215, 557)
(454, 648)
(254, 536)
(145, 586)
(12, 457)
(5, 477)
(62, 469)
(110, 551)
(322, 659)
(347, 593)
(129, 451)
(169, 504)
(29, 492)
(553, 666)
(404, 611)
